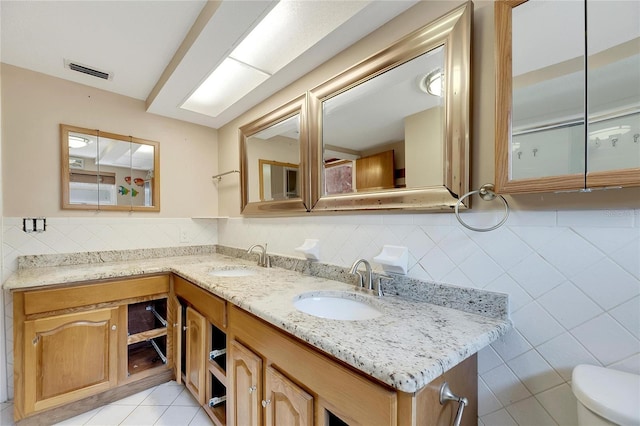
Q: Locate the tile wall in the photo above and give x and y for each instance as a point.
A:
(573, 278)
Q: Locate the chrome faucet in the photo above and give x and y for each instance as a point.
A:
(263, 259)
(368, 278)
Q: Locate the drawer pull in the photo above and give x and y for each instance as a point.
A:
(265, 403)
(446, 395)
(113, 327)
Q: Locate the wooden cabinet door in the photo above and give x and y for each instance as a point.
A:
(286, 403)
(196, 354)
(375, 172)
(174, 335)
(244, 391)
(68, 357)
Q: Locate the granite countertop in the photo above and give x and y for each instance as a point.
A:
(408, 346)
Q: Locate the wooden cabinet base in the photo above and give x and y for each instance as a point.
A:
(75, 408)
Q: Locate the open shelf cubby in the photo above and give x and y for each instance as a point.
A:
(147, 335)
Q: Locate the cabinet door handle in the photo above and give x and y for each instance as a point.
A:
(252, 389)
(265, 403)
(113, 327)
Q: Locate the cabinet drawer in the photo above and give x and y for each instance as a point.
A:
(209, 305)
(54, 299)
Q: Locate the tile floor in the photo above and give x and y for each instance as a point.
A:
(168, 404)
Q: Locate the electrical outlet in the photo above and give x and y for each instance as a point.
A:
(184, 236)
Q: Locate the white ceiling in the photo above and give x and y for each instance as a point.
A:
(153, 49)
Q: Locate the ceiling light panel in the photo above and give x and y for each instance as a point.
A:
(291, 28)
(226, 85)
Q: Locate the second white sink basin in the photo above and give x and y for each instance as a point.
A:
(236, 271)
(336, 305)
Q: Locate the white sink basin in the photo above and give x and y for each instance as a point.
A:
(336, 305)
(236, 271)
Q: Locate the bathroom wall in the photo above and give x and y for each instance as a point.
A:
(570, 262)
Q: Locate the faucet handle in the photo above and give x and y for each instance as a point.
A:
(386, 278)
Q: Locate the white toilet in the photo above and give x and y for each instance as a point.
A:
(606, 396)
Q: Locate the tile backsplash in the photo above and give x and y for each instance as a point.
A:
(573, 278)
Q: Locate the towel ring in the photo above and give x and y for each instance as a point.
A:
(486, 193)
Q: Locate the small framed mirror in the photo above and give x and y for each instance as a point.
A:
(273, 152)
(392, 132)
(106, 171)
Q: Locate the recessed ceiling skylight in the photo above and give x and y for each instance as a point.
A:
(291, 28)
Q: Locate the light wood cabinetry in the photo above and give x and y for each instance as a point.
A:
(82, 346)
(200, 351)
(301, 385)
(284, 402)
(338, 391)
(69, 357)
(88, 348)
(245, 386)
(195, 357)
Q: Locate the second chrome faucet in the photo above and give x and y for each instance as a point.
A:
(366, 280)
(263, 259)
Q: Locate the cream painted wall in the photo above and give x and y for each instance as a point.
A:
(35, 104)
(424, 170)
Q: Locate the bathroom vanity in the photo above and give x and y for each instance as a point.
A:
(233, 335)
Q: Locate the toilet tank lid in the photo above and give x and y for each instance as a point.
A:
(612, 394)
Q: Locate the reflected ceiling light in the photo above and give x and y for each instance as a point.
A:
(432, 83)
(78, 142)
(603, 134)
(285, 33)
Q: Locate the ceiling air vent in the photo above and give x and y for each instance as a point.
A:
(75, 66)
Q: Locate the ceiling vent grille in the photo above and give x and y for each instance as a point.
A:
(74, 66)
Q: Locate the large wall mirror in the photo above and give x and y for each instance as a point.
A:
(106, 171)
(273, 152)
(392, 132)
(568, 97)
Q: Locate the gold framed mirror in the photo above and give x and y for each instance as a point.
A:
(273, 168)
(392, 132)
(567, 95)
(107, 171)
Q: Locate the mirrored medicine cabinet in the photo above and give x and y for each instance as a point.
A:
(107, 171)
(390, 132)
(567, 95)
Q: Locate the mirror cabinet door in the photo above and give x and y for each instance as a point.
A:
(105, 171)
(273, 152)
(613, 93)
(392, 132)
(547, 85)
